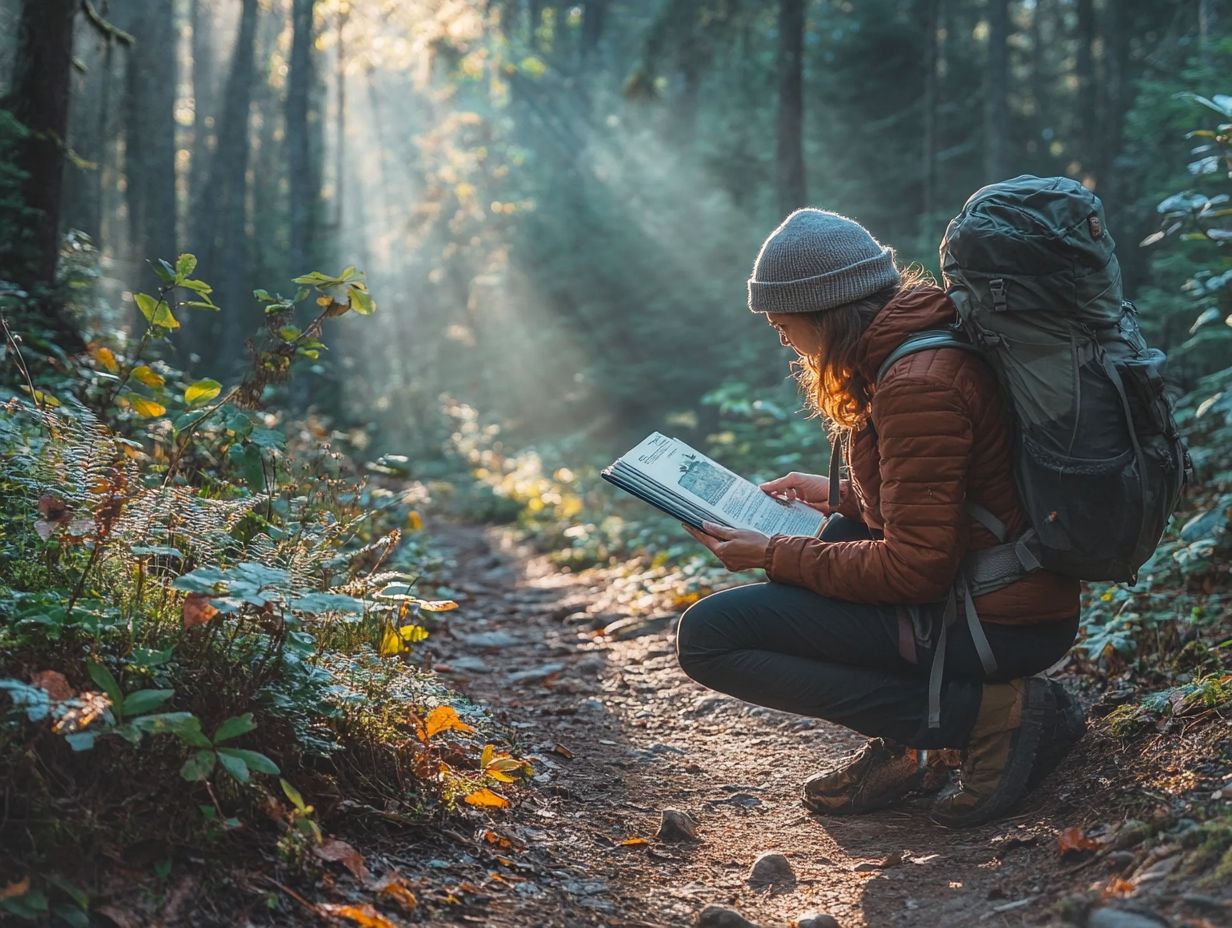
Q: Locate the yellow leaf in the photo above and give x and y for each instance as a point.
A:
(145, 374)
(107, 359)
(489, 751)
(500, 776)
(412, 633)
(486, 798)
(414, 521)
(324, 300)
(396, 889)
(202, 392)
(147, 409)
(634, 842)
(444, 718)
(437, 605)
(364, 915)
(400, 640)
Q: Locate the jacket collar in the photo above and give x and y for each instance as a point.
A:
(911, 311)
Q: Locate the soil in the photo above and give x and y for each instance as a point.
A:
(617, 734)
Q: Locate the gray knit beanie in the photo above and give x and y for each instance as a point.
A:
(818, 260)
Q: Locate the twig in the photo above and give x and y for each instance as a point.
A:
(310, 906)
(1008, 907)
(110, 32)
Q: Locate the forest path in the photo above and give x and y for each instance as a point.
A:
(617, 733)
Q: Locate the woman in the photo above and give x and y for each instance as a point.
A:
(847, 626)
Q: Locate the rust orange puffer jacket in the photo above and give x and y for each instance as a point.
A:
(937, 435)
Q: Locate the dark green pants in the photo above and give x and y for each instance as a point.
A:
(788, 648)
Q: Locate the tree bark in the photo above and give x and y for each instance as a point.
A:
(928, 104)
(1088, 110)
(996, 96)
(303, 185)
(790, 148)
(203, 97)
(149, 133)
(222, 211)
(40, 101)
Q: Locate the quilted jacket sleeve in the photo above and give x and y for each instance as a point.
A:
(924, 431)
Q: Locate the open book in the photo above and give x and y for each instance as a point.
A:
(689, 486)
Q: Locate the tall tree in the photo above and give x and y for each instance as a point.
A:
(1088, 107)
(221, 213)
(202, 37)
(149, 133)
(789, 155)
(928, 104)
(40, 101)
(996, 93)
(302, 167)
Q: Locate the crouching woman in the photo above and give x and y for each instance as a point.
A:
(849, 625)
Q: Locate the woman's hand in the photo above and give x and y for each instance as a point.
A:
(738, 549)
(810, 489)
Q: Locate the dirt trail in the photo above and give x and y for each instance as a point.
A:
(643, 737)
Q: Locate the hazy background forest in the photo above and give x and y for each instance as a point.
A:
(283, 280)
(557, 205)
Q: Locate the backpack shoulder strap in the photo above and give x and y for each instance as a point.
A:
(921, 341)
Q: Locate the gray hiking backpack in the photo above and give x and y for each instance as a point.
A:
(1098, 460)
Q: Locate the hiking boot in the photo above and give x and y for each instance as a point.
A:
(1000, 753)
(1062, 731)
(877, 775)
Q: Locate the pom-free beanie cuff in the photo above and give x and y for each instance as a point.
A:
(825, 291)
(818, 260)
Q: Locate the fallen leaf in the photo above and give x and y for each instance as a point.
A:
(499, 840)
(1118, 887)
(485, 797)
(364, 915)
(562, 751)
(1073, 839)
(337, 850)
(19, 888)
(437, 605)
(396, 889)
(444, 718)
(54, 682)
(634, 842)
(197, 610)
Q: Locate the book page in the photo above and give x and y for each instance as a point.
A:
(713, 488)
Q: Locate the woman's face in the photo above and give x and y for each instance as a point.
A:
(796, 331)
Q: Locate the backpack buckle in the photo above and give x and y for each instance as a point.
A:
(996, 286)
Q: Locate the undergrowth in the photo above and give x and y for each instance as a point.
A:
(206, 615)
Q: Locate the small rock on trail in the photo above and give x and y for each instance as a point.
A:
(716, 916)
(1121, 918)
(771, 867)
(814, 920)
(676, 826)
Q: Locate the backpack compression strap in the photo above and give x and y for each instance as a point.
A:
(921, 341)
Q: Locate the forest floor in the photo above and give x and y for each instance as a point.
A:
(581, 668)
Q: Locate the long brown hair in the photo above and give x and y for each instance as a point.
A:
(829, 380)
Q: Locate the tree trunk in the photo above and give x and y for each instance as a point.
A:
(149, 134)
(790, 149)
(222, 211)
(301, 161)
(203, 98)
(40, 101)
(594, 15)
(996, 97)
(928, 134)
(1088, 110)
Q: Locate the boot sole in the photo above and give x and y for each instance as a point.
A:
(1037, 705)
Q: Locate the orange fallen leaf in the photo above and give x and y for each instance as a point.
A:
(1073, 839)
(499, 840)
(337, 850)
(443, 718)
(634, 842)
(486, 798)
(19, 888)
(363, 915)
(396, 889)
(54, 682)
(437, 605)
(197, 610)
(1118, 887)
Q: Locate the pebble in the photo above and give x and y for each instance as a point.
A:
(636, 626)
(469, 664)
(815, 920)
(771, 867)
(542, 672)
(716, 916)
(676, 826)
(1121, 918)
(493, 639)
